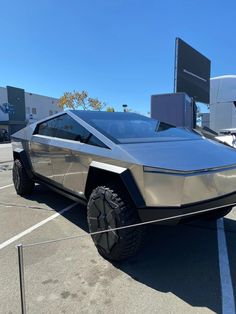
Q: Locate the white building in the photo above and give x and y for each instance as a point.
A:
(205, 119)
(18, 108)
(223, 102)
(39, 106)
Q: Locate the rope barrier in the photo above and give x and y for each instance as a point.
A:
(125, 227)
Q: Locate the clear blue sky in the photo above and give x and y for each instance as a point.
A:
(121, 51)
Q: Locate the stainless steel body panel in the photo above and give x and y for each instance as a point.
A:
(58, 163)
(185, 156)
(66, 162)
(168, 173)
(176, 190)
(70, 169)
(41, 158)
(74, 176)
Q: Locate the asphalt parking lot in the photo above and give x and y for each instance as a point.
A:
(178, 271)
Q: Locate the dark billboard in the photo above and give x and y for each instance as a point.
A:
(192, 72)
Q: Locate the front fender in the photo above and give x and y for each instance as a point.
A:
(103, 173)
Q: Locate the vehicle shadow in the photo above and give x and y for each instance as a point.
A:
(57, 202)
(183, 260)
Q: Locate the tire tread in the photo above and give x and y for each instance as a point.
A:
(131, 239)
(26, 184)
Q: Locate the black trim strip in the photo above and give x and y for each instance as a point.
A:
(63, 191)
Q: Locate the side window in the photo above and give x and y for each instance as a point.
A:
(93, 140)
(66, 127)
(47, 128)
(69, 129)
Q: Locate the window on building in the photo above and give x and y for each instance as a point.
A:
(34, 111)
(28, 110)
(50, 112)
(67, 128)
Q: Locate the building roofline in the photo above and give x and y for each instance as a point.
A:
(30, 93)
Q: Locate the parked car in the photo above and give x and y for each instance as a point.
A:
(128, 168)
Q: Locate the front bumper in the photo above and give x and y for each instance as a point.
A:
(190, 211)
(175, 190)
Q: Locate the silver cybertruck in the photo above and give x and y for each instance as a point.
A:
(128, 169)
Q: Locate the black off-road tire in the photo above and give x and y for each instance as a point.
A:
(108, 209)
(23, 184)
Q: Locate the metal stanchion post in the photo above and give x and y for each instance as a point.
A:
(21, 275)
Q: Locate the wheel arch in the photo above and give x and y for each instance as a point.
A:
(20, 154)
(101, 173)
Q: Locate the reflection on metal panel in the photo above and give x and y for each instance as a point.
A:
(41, 159)
(108, 167)
(183, 155)
(59, 164)
(170, 190)
(74, 175)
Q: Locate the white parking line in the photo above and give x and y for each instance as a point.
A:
(228, 304)
(5, 186)
(39, 224)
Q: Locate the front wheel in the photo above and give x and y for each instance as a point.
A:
(24, 185)
(109, 209)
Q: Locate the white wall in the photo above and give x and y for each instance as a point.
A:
(222, 97)
(3, 99)
(221, 116)
(43, 105)
(205, 119)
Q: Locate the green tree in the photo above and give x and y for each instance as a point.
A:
(80, 100)
(110, 109)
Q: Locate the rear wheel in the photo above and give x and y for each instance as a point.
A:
(108, 209)
(24, 185)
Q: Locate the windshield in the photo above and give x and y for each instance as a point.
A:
(133, 128)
